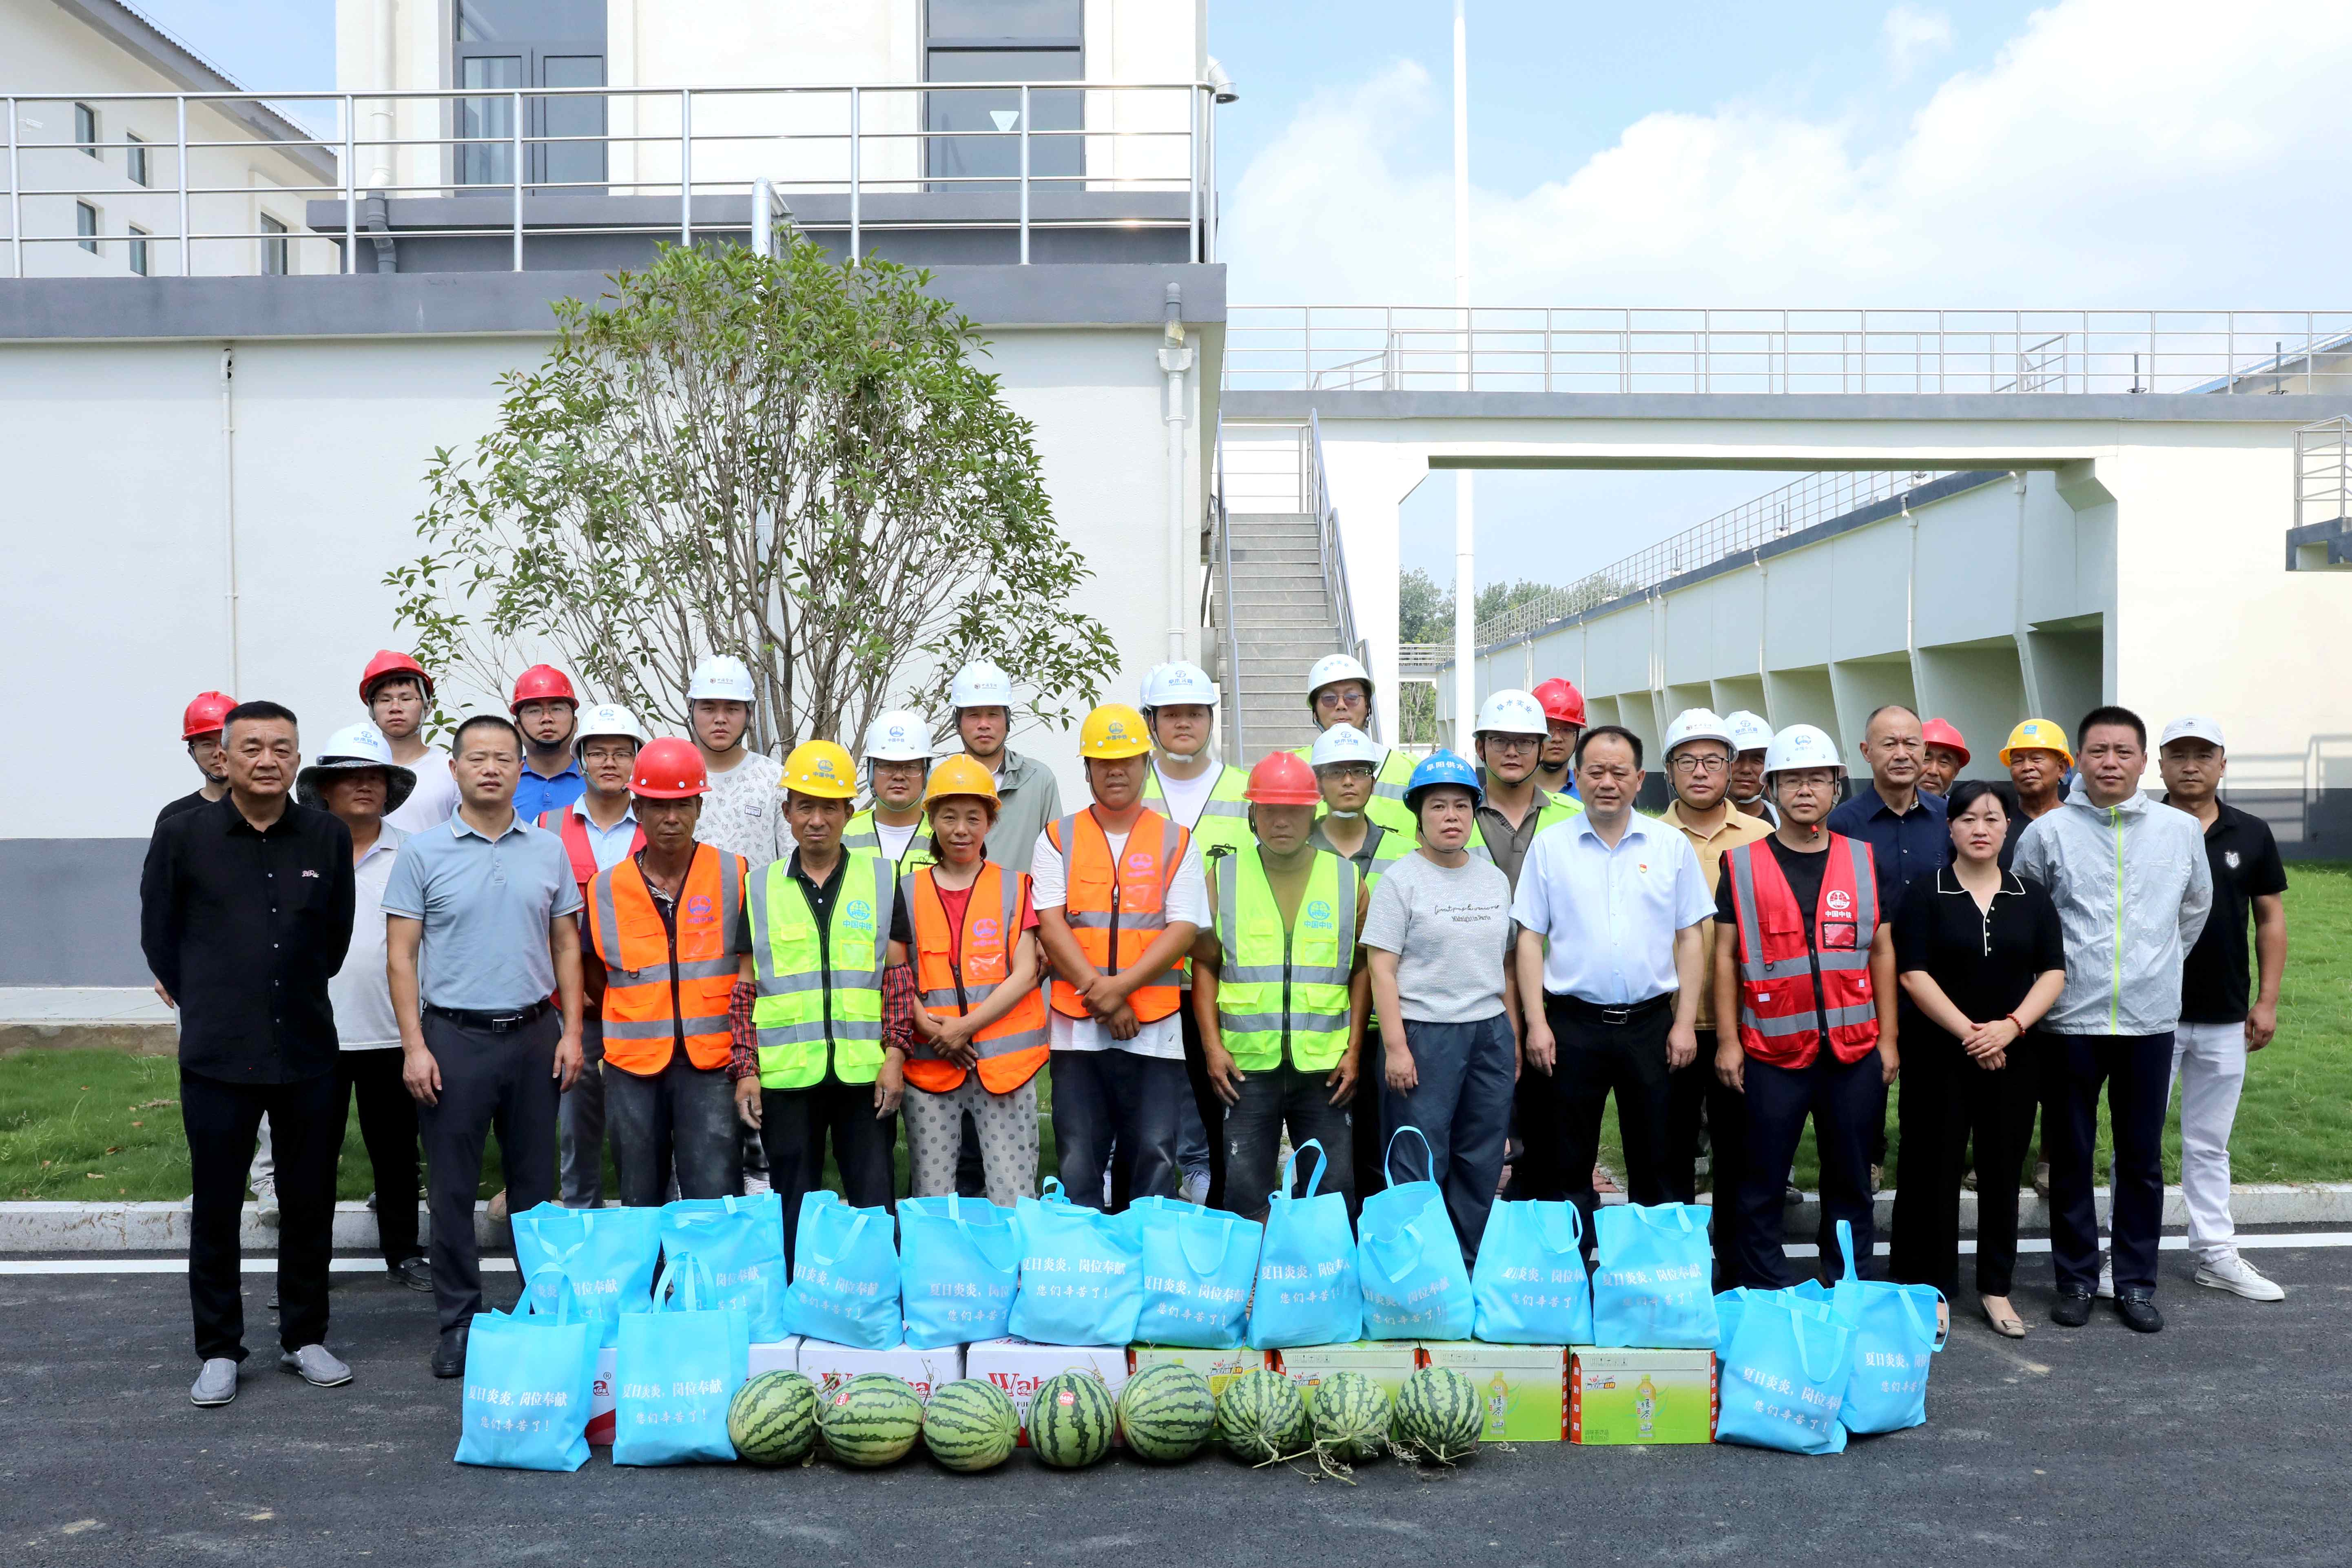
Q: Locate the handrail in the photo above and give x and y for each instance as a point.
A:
(1334, 558)
(1238, 746)
(2323, 472)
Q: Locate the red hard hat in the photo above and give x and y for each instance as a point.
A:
(669, 769)
(1283, 778)
(542, 683)
(1940, 732)
(1561, 701)
(391, 661)
(204, 714)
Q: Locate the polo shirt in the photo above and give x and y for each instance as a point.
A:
(608, 846)
(1902, 848)
(190, 802)
(1738, 829)
(1506, 844)
(1611, 914)
(537, 794)
(2216, 978)
(485, 904)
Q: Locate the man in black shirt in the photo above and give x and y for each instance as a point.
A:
(200, 728)
(245, 914)
(2222, 1018)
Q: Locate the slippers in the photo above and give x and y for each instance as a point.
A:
(2012, 1327)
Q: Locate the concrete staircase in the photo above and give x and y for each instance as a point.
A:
(1283, 619)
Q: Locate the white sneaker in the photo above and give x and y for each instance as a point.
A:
(265, 1204)
(2232, 1273)
(754, 1185)
(2106, 1290)
(1195, 1188)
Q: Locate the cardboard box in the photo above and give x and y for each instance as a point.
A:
(777, 1355)
(1386, 1361)
(1625, 1396)
(1017, 1366)
(827, 1364)
(1523, 1387)
(1220, 1367)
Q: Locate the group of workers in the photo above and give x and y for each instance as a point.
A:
(722, 967)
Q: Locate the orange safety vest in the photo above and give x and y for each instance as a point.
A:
(1116, 909)
(951, 980)
(569, 826)
(1783, 983)
(656, 988)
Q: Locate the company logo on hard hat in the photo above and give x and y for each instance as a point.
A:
(1114, 729)
(821, 768)
(1840, 901)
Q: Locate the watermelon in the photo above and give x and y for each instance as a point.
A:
(1167, 1412)
(1070, 1420)
(773, 1418)
(1351, 1416)
(1438, 1414)
(871, 1420)
(971, 1424)
(1260, 1417)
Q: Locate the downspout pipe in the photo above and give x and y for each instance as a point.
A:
(1175, 359)
(228, 507)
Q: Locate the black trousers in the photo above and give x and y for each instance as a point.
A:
(2135, 1070)
(1845, 1102)
(1948, 1101)
(1537, 1173)
(795, 1124)
(1206, 1101)
(1116, 1112)
(223, 1120)
(490, 1079)
(1696, 1097)
(388, 1129)
(1594, 1058)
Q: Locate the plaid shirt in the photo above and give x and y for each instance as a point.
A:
(897, 1019)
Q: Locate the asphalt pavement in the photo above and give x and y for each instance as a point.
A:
(2222, 1439)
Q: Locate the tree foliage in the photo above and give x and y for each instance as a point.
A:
(777, 458)
(1426, 611)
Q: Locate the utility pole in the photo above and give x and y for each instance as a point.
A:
(1465, 575)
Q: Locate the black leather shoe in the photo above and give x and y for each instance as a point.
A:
(2071, 1309)
(414, 1272)
(450, 1355)
(2136, 1305)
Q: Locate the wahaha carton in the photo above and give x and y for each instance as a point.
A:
(1017, 1367)
(827, 1364)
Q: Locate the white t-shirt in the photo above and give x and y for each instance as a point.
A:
(1187, 899)
(744, 811)
(894, 840)
(434, 799)
(1187, 798)
(360, 993)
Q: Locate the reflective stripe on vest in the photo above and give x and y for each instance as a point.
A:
(1284, 987)
(1117, 908)
(573, 828)
(809, 997)
(650, 1000)
(1224, 819)
(1779, 1005)
(952, 979)
(863, 835)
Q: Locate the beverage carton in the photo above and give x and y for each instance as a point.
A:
(827, 1364)
(1523, 1387)
(1017, 1366)
(601, 1399)
(1386, 1361)
(1220, 1367)
(777, 1355)
(1628, 1396)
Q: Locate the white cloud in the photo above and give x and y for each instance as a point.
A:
(2115, 153)
(1912, 34)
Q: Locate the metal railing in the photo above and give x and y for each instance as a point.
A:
(2323, 472)
(1136, 155)
(1340, 348)
(1221, 521)
(1334, 554)
(1752, 524)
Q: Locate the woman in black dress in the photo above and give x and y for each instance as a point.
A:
(1982, 959)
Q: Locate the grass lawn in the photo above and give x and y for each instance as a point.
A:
(95, 1125)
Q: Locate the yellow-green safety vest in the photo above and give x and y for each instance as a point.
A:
(1224, 820)
(861, 837)
(1388, 847)
(806, 1004)
(1284, 988)
(1556, 808)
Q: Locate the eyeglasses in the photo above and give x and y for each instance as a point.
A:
(1690, 764)
(1357, 771)
(1515, 743)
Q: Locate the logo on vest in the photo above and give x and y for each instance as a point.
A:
(859, 915)
(1318, 914)
(1837, 901)
(1140, 860)
(984, 930)
(698, 910)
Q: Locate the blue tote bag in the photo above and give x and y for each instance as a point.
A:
(677, 1373)
(530, 1374)
(1894, 1344)
(1530, 1287)
(959, 1259)
(1081, 1273)
(1652, 1278)
(1781, 1382)
(1198, 1266)
(1307, 1289)
(742, 1242)
(845, 1276)
(1409, 1261)
(608, 1254)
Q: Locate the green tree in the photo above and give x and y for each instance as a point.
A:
(777, 458)
(1426, 611)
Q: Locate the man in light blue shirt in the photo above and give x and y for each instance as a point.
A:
(1609, 907)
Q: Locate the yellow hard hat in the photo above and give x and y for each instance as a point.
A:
(2037, 735)
(961, 775)
(820, 768)
(1114, 730)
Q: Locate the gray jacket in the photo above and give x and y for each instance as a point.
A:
(2132, 888)
(1029, 796)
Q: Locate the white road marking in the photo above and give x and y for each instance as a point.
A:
(263, 1264)
(2166, 1244)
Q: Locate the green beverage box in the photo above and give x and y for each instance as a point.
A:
(1639, 1397)
(1523, 1387)
(1220, 1367)
(1386, 1361)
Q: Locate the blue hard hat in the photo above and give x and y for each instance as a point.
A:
(1442, 768)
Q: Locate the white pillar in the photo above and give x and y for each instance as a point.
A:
(1465, 573)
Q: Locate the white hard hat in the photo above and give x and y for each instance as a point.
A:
(1346, 744)
(1802, 746)
(354, 746)
(1698, 724)
(1337, 666)
(1511, 713)
(979, 684)
(723, 677)
(1178, 681)
(1748, 732)
(898, 736)
(605, 719)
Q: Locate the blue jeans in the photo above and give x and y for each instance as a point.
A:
(1116, 1111)
(1274, 1100)
(681, 1118)
(1462, 1104)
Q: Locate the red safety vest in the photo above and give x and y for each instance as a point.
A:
(573, 828)
(1779, 1002)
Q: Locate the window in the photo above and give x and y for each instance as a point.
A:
(505, 45)
(139, 251)
(1003, 40)
(86, 226)
(273, 248)
(135, 159)
(86, 129)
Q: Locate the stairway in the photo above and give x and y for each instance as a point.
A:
(1283, 619)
